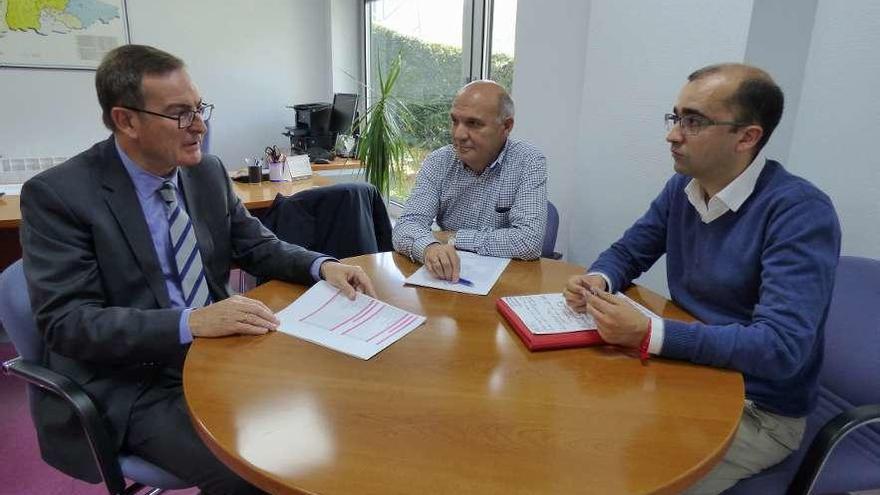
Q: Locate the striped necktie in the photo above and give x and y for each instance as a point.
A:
(190, 271)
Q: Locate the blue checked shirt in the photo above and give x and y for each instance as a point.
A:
(500, 212)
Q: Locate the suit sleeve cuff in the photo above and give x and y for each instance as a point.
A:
(183, 327)
(315, 268)
(655, 346)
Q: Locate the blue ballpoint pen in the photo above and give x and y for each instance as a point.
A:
(464, 281)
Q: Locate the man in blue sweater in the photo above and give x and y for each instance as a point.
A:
(751, 252)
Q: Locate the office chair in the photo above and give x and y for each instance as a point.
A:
(840, 451)
(550, 231)
(341, 220)
(206, 139)
(17, 318)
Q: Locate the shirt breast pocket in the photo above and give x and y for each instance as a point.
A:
(502, 214)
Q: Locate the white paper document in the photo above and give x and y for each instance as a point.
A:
(480, 271)
(359, 328)
(548, 313)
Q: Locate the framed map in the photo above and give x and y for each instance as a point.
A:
(60, 34)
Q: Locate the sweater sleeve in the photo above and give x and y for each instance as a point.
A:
(798, 261)
(641, 245)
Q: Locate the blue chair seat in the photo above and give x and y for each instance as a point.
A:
(148, 474)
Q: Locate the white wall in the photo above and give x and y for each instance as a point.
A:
(554, 66)
(593, 79)
(779, 40)
(838, 125)
(631, 61)
(250, 58)
(346, 35)
(48, 112)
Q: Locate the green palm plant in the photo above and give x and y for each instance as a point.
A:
(382, 149)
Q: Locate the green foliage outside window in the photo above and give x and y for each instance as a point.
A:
(430, 76)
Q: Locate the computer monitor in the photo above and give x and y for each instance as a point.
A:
(344, 110)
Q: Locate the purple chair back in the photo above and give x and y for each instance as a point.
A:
(851, 370)
(550, 231)
(18, 321)
(850, 377)
(206, 139)
(16, 314)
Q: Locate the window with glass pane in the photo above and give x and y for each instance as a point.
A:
(503, 33)
(428, 36)
(443, 44)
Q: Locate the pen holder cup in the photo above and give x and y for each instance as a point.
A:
(255, 174)
(276, 171)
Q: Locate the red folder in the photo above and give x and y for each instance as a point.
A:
(544, 342)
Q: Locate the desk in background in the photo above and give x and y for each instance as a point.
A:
(340, 170)
(459, 405)
(10, 218)
(254, 196)
(338, 164)
(260, 196)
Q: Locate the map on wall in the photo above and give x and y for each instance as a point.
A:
(67, 34)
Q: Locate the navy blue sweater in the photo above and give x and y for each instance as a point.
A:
(758, 279)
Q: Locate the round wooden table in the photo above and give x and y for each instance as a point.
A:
(459, 405)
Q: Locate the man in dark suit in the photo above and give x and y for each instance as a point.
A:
(127, 249)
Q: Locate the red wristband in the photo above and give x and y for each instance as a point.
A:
(643, 347)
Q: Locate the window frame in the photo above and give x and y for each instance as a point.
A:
(477, 26)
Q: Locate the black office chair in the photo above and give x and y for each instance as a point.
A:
(17, 318)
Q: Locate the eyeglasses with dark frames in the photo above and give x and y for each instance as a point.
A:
(692, 124)
(184, 119)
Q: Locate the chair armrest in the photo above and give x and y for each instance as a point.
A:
(90, 419)
(831, 434)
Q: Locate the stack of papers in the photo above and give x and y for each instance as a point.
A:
(544, 321)
(545, 314)
(480, 271)
(359, 328)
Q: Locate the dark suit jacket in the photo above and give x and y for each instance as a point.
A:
(97, 290)
(341, 220)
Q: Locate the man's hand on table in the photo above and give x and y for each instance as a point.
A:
(442, 261)
(618, 321)
(232, 316)
(577, 290)
(349, 279)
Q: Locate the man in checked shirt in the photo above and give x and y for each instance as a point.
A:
(487, 191)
